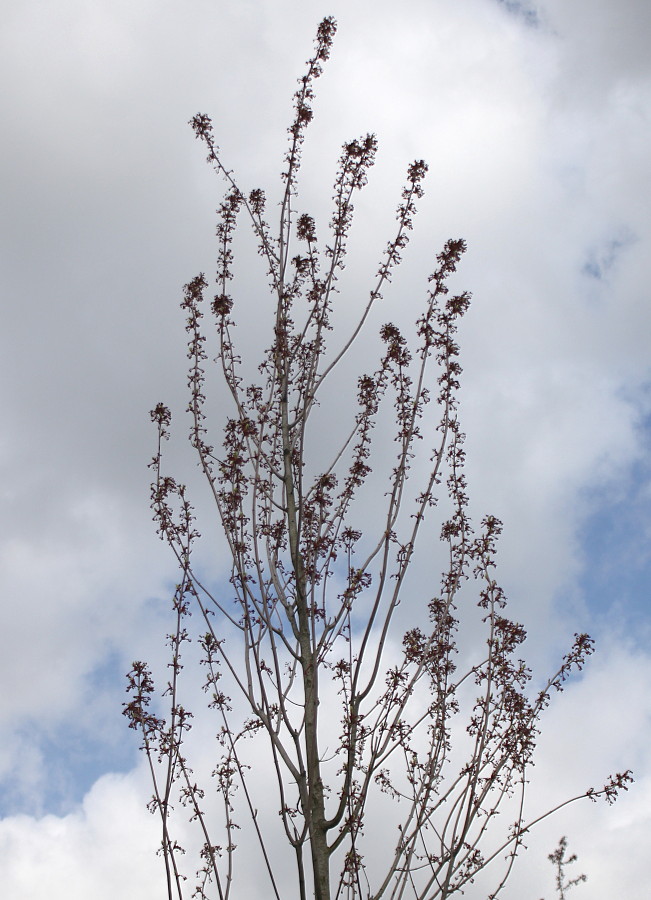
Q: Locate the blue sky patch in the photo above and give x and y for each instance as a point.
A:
(70, 755)
(522, 10)
(616, 545)
(602, 257)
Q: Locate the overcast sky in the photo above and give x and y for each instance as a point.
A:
(535, 119)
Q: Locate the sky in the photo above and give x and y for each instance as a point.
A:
(535, 119)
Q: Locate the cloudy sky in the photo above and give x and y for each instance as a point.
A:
(535, 119)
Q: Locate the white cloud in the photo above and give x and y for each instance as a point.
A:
(103, 849)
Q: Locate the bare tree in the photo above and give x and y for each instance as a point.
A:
(311, 602)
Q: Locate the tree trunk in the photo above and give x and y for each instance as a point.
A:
(315, 810)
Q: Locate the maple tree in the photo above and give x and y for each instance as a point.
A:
(310, 607)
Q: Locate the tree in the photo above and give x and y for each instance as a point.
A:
(311, 606)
